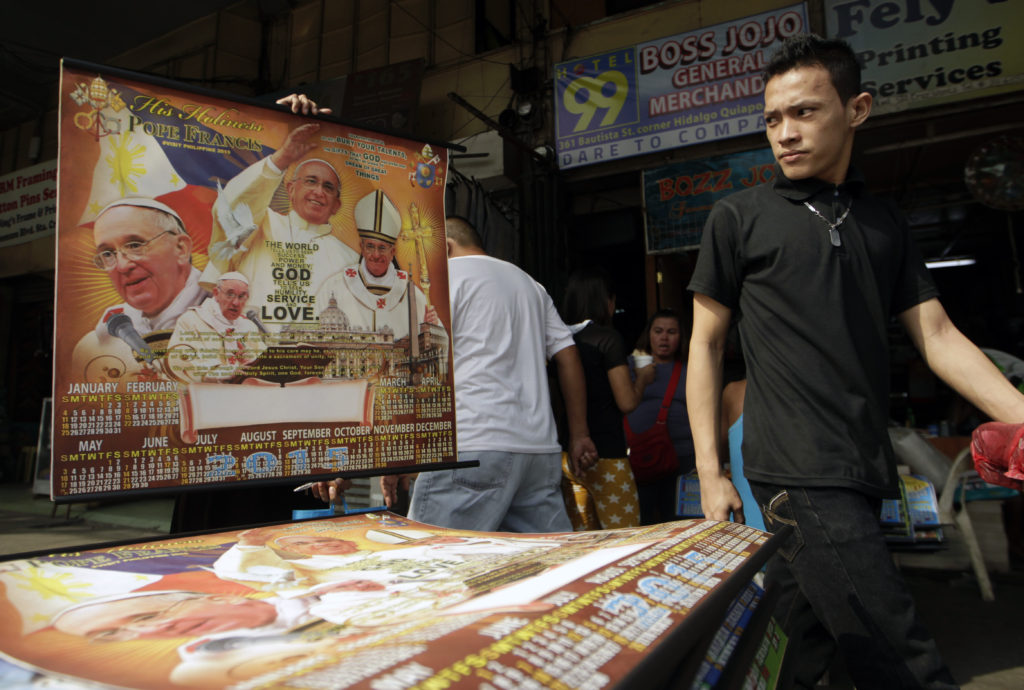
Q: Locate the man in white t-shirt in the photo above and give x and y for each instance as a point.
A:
(505, 329)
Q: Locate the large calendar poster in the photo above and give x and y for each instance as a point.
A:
(242, 293)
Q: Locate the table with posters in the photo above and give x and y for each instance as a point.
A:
(379, 601)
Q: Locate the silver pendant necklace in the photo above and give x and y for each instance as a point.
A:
(833, 228)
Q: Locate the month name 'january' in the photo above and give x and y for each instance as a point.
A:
(78, 388)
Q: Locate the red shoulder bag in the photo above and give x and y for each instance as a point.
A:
(651, 453)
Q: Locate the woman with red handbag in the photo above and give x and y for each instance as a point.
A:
(658, 430)
(605, 495)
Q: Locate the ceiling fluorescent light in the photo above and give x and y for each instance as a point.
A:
(950, 262)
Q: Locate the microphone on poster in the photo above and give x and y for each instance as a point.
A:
(120, 326)
(254, 317)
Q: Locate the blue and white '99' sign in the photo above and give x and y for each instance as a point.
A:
(595, 97)
(588, 96)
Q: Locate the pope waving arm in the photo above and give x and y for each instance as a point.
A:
(242, 204)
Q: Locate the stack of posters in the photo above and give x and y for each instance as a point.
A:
(378, 601)
(913, 518)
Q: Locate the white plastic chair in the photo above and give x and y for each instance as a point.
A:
(962, 519)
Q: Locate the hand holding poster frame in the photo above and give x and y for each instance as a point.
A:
(242, 293)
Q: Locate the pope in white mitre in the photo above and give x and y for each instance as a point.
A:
(373, 293)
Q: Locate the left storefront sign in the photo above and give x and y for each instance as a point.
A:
(28, 203)
(242, 293)
(680, 90)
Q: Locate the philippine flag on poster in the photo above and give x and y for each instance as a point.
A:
(160, 157)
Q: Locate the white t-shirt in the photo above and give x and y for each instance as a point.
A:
(505, 328)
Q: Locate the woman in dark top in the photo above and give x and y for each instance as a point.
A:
(588, 307)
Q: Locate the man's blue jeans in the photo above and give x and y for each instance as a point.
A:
(508, 492)
(841, 590)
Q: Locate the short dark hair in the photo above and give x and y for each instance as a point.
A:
(807, 50)
(644, 341)
(463, 232)
(587, 295)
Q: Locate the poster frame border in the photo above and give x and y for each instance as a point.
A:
(165, 82)
(734, 674)
(40, 486)
(172, 84)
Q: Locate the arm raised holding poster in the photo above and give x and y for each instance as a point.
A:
(301, 103)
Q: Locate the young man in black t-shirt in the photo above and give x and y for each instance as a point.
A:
(816, 267)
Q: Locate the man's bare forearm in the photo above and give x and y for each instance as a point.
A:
(959, 362)
(704, 405)
(704, 382)
(574, 390)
